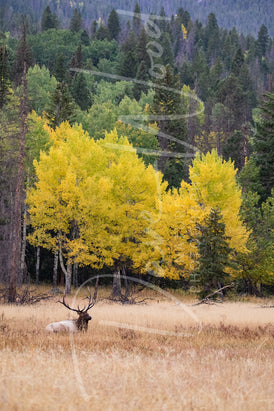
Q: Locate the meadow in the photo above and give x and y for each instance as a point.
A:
(160, 355)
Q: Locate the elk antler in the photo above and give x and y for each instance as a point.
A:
(83, 310)
(90, 304)
(67, 306)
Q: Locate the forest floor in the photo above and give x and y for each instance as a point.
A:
(165, 354)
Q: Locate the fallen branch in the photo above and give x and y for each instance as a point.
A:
(206, 300)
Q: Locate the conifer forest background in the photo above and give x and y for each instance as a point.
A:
(137, 140)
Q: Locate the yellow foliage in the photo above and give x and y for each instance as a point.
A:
(184, 30)
(214, 186)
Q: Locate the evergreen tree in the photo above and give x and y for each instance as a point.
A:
(262, 41)
(93, 28)
(237, 62)
(76, 61)
(76, 22)
(142, 48)
(102, 33)
(23, 53)
(49, 20)
(4, 76)
(129, 59)
(136, 22)
(213, 253)
(61, 107)
(264, 144)
(212, 38)
(60, 68)
(142, 75)
(172, 133)
(85, 38)
(113, 25)
(80, 91)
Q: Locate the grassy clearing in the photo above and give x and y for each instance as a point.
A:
(158, 356)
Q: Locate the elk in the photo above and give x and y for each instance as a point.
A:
(81, 324)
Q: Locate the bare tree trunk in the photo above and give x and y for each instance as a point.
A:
(125, 280)
(95, 288)
(116, 286)
(23, 248)
(37, 266)
(68, 279)
(67, 272)
(17, 214)
(55, 270)
(75, 275)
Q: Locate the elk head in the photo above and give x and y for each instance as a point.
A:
(84, 317)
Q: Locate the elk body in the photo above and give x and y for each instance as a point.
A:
(81, 324)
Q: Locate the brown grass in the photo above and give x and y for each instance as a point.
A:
(158, 356)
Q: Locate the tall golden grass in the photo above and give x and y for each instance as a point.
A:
(157, 356)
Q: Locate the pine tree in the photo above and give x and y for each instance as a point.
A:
(23, 53)
(60, 68)
(172, 131)
(4, 76)
(237, 62)
(76, 22)
(61, 107)
(136, 23)
(262, 41)
(213, 253)
(142, 40)
(49, 20)
(142, 75)
(19, 186)
(129, 59)
(264, 144)
(80, 91)
(113, 25)
(85, 38)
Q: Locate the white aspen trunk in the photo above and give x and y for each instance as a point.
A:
(55, 270)
(37, 266)
(68, 279)
(67, 272)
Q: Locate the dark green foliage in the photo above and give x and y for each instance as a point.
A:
(213, 253)
(4, 76)
(136, 22)
(49, 20)
(262, 41)
(237, 62)
(76, 60)
(61, 107)
(80, 91)
(113, 25)
(264, 144)
(76, 22)
(85, 38)
(142, 75)
(102, 33)
(60, 68)
(129, 60)
(237, 147)
(23, 53)
(172, 134)
(142, 54)
(212, 38)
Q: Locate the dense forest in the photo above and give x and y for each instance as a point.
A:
(246, 16)
(136, 145)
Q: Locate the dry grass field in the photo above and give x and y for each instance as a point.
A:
(156, 356)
